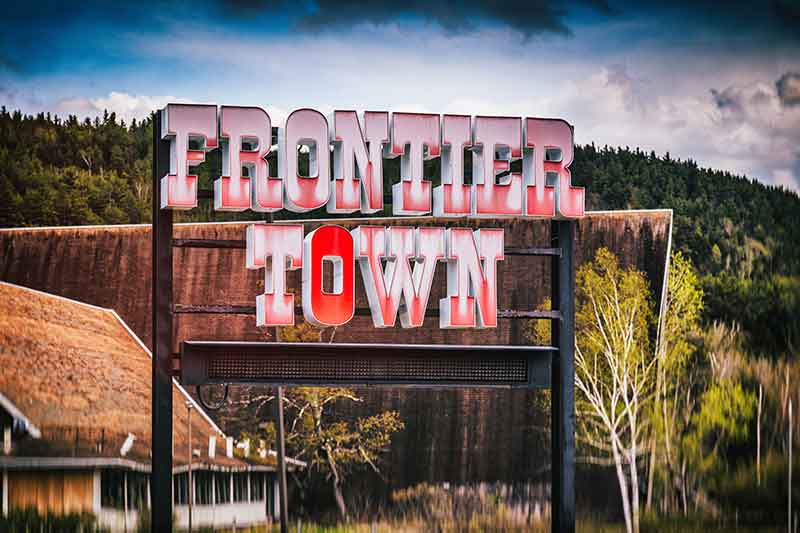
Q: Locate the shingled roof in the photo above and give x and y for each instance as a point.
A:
(80, 380)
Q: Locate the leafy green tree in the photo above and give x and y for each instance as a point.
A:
(724, 419)
(678, 373)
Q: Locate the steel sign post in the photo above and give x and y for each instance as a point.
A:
(284, 502)
(562, 402)
(161, 472)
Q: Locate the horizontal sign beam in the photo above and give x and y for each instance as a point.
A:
(224, 309)
(234, 244)
(345, 364)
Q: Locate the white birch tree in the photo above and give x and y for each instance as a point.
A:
(614, 370)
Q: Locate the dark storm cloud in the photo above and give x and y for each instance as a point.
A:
(788, 12)
(739, 102)
(527, 16)
(728, 99)
(788, 87)
(773, 21)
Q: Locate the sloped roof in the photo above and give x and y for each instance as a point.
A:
(83, 379)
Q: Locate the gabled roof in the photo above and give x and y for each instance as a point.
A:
(81, 380)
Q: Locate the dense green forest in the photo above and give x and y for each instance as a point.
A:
(740, 234)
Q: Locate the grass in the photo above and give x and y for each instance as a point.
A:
(584, 525)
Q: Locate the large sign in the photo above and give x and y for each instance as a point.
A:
(345, 175)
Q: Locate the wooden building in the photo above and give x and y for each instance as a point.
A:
(75, 410)
(457, 436)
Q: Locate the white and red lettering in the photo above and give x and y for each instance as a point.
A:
(471, 278)
(181, 123)
(497, 142)
(415, 137)
(401, 247)
(543, 189)
(358, 162)
(245, 138)
(276, 248)
(452, 198)
(332, 244)
(308, 128)
(549, 151)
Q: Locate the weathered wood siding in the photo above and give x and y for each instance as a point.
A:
(458, 436)
(56, 491)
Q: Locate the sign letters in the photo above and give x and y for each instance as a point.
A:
(345, 175)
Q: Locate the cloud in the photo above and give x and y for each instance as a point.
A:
(126, 106)
(529, 17)
(743, 128)
(788, 87)
(615, 81)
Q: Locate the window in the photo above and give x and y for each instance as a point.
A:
(137, 490)
(222, 484)
(270, 494)
(202, 487)
(256, 487)
(112, 489)
(240, 487)
(180, 485)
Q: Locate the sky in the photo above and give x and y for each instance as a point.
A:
(717, 82)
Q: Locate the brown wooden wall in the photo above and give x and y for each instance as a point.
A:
(450, 435)
(56, 491)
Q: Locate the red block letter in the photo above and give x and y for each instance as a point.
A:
(467, 280)
(322, 308)
(384, 287)
(412, 196)
(284, 244)
(552, 144)
(350, 152)
(309, 128)
(246, 135)
(496, 197)
(179, 123)
(452, 198)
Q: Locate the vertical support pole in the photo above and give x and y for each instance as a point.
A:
(562, 402)
(161, 474)
(5, 494)
(125, 500)
(284, 501)
(189, 487)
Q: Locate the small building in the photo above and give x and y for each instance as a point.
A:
(75, 418)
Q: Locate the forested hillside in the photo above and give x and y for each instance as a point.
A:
(742, 236)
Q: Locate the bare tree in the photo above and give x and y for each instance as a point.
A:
(336, 448)
(333, 446)
(615, 369)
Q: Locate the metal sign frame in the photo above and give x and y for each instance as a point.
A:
(543, 366)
